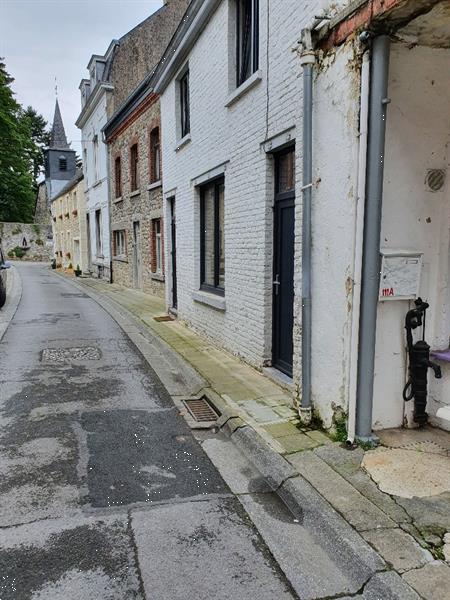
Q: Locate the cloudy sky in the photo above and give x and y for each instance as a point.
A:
(44, 39)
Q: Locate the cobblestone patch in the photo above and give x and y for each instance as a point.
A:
(64, 355)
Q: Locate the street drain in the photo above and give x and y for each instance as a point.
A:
(201, 410)
(163, 318)
(63, 355)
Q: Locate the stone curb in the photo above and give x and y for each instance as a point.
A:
(305, 503)
(13, 296)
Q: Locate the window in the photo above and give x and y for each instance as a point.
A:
(118, 177)
(85, 169)
(247, 39)
(134, 167)
(212, 241)
(184, 105)
(119, 240)
(156, 246)
(62, 163)
(98, 232)
(155, 156)
(95, 146)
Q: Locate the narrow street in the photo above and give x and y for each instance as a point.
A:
(105, 493)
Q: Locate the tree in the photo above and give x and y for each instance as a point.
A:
(18, 154)
(40, 138)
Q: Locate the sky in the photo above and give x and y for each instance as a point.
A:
(44, 39)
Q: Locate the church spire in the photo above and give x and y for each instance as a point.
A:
(58, 136)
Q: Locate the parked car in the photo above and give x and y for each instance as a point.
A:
(4, 265)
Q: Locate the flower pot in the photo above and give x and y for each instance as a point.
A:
(77, 272)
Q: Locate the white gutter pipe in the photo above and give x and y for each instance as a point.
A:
(358, 244)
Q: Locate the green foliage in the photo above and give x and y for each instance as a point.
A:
(340, 427)
(11, 254)
(36, 228)
(16, 230)
(19, 252)
(20, 132)
(70, 266)
(39, 242)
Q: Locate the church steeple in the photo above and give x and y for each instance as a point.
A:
(60, 159)
(58, 135)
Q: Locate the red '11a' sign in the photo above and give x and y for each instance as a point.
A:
(387, 292)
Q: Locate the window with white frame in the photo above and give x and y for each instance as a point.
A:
(247, 39)
(157, 246)
(185, 113)
(212, 237)
(119, 241)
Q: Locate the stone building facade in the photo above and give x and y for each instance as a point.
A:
(69, 225)
(136, 200)
(113, 78)
(29, 240)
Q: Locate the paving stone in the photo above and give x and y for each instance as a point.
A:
(398, 549)
(430, 515)
(239, 474)
(297, 442)
(273, 467)
(282, 429)
(316, 565)
(348, 464)
(432, 581)
(211, 550)
(357, 509)
(386, 586)
(319, 436)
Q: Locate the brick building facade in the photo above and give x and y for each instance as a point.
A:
(136, 200)
(133, 136)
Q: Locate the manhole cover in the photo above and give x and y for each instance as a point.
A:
(163, 318)
(74, 295)
(62, 355)
(201, 410)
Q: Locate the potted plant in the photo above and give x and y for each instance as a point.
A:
(77, 271)
(53, 263)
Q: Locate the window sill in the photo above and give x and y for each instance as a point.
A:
(117, 200)
(250, 83)
(157, 276)
(154, 185)
(183, 142)
(120, 259)
(213, 300)
(135, 193)
(97, 183)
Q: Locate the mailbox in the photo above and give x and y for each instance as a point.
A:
(400, 275)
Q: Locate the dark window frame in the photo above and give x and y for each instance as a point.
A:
(247, 45)
(214, 289)
(99, 232)
(118, 176)
(116, 234)
(155, 155)
(134, 167)
(185, 111)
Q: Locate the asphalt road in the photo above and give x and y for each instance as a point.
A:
(105, 493)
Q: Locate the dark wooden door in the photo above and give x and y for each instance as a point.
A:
(283, 267)
(173, 236)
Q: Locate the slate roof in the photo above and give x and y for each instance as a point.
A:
(58, 136)
(70, 184)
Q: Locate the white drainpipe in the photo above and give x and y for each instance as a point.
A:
(358, 244)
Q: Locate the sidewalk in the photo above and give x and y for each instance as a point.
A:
(408, 531)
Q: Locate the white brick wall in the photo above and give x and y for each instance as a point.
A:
(96, 186)
(235, 136)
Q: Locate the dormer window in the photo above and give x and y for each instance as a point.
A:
(62, 163)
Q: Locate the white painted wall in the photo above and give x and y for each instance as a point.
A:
(418, 134)
(96, 181)
(234, 137)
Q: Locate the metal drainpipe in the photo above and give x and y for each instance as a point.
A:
(307, 60)
(379, 76)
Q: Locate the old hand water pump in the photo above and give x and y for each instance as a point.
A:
(419, 362)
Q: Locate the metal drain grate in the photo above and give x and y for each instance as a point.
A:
(201, 410)
(163, 318)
